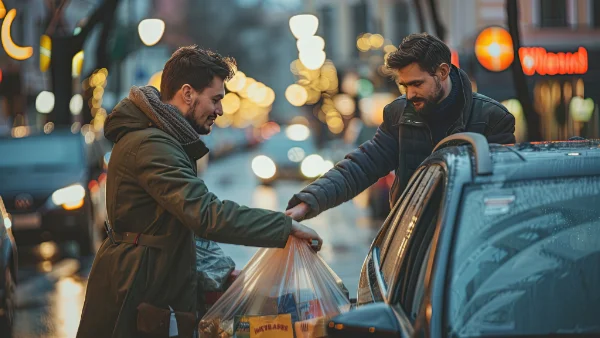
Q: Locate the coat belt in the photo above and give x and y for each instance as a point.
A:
(135, 238)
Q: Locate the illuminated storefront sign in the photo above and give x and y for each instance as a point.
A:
(454, 57)
(538, 60)
(494, 51)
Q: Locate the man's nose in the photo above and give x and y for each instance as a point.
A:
(219, 110)
(410, 94)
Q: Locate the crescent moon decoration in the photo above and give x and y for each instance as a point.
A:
(14, 51)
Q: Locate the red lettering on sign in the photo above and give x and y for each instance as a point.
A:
(270, 327)
(538, 60)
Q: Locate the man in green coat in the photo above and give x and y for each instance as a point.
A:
(156, 203)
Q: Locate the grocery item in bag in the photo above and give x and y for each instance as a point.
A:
(279, 326)
(312, 328)
(241, 325)
(278, 285)
(310, 310)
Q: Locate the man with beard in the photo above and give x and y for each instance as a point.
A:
(439, 102)
(146, 269)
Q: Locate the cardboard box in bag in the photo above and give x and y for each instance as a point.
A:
(312, 328)
(279, 326)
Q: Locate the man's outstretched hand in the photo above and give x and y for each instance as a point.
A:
(298, 212)
(307, 234)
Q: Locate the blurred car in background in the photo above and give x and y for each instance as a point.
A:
(224, 141)
(53, 186)
(8, 276)
(289, 154)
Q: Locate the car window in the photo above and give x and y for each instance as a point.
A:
(407, 226)
(279, 146)
(409, 287)
(419, 290)
(393, 220)
(46, 152)
(526, 259)
(368, 290)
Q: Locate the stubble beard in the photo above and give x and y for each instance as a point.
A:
(200, 129)
(430, 105)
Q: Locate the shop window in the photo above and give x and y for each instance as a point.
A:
(553, 13)
(596, 13)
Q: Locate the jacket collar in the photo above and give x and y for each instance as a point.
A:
(195, 150)
(410, 116)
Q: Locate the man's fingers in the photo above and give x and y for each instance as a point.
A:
(294, 214)
(315, 246)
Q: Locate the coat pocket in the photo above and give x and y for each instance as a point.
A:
(153, 322)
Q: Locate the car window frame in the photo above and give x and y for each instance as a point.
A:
(381, 247)
(405, 291)
(423, 193)
(376, 289)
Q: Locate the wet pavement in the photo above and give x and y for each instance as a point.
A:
(52, 283)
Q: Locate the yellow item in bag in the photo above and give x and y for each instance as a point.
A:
(312, 328)
(279, 326)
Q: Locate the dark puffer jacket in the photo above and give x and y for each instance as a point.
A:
(401, 143)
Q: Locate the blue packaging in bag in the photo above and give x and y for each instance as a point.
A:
(287, 304)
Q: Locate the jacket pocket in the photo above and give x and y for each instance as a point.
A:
(153, 321)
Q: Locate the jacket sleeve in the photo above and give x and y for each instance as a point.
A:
(356, 172)
(503, 128)
(164, 171)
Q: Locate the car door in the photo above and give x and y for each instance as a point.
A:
(392, 268)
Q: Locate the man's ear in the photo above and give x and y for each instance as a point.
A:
(444, 71)
(186, 92)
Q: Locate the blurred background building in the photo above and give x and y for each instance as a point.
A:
(565, 99)
(345, 84)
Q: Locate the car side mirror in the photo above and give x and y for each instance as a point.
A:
(374, 320)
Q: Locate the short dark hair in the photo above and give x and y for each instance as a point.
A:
(196, 67)
(426, 50)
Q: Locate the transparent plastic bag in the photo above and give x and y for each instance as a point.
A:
(283, 293)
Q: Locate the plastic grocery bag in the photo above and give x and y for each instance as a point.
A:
(283, 293)
(212, 265)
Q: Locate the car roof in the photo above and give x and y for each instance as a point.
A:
(534, 160)
(36, 134)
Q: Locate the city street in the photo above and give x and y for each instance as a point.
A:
(49, 303)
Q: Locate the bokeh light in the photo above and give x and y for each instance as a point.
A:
(304, 25)
(231, 103)
(494, 49)
(296, 95)
(237, 82)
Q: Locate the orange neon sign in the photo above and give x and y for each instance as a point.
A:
(454, 58)
(494, 49)
(538, 60)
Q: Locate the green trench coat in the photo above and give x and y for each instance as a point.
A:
(152, 188)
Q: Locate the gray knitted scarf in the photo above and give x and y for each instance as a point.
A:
(165, 116)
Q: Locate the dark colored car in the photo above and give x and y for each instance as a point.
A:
(487, 241)
(290, 154)
(53, 187)
(8, 276)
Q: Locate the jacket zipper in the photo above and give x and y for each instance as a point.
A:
(419, 124)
